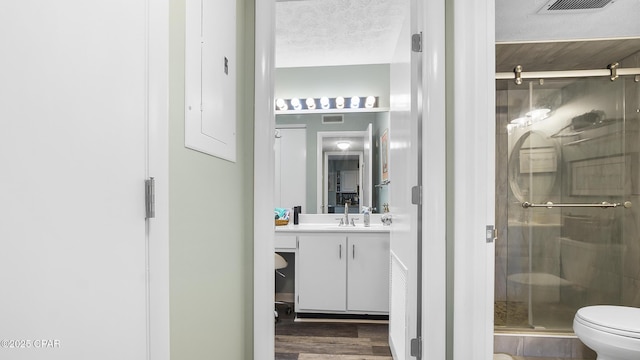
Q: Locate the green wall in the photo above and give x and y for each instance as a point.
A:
(211, 223)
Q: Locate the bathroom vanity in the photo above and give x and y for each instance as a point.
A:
(338, 269)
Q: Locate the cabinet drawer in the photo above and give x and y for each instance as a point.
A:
(285, 242)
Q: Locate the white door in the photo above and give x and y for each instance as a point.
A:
(403, 170)
(291, 168)
(73, 112)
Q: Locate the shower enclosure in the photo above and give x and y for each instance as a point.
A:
(568, 199)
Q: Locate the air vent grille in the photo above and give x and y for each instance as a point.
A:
(561, 6)
(333, 119)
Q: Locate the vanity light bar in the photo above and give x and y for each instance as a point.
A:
(326, 103)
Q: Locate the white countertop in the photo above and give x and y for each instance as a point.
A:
(332, 228)
(329, 223)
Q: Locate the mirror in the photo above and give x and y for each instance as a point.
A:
(344, 160)
(533, 165)
(325, 163)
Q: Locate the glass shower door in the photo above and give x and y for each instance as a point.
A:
(568, 147)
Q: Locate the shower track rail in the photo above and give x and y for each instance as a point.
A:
(612, 71)
(603, 205)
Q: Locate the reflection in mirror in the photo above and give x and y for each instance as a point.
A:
(290, 167)
(533, 165)
(346, 160)
(342, 176)
(363, 130)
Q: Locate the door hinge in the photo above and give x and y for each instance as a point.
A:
(416, 195)
(150, 198)
(416, 42)
(416, 347)
(492, 233)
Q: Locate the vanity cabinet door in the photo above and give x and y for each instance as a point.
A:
(321, 269)
(368, 273)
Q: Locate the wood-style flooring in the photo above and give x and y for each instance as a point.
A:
(330, 340)
(338, 340)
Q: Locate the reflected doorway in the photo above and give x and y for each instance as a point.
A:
(342, 181)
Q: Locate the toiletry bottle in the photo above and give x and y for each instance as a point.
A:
(296, 213)
(367, 216)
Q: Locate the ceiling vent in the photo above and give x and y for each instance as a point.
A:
(574, 6)
(333, 119)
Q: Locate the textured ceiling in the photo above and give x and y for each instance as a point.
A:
(519, 20)
(337, 32)
(350, 32)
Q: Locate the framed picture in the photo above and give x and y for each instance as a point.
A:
(384, 154)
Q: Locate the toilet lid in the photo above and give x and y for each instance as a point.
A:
(620, 320)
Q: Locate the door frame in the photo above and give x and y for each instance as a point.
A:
(264, 169)
(158, 342)
(321, 183)
(465, 271)
(431, 22)
(471, 155)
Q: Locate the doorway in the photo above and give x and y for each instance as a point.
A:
(471, 103)
(345, 87)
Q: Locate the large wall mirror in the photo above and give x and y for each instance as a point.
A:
(333, 176)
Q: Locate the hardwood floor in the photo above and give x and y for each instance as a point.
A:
(330, 340)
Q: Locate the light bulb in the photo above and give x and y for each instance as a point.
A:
(281, 104)
(324, 102)
(295, 102)
(355, 102)
(339, 102)
(311, 103)
(370, 102)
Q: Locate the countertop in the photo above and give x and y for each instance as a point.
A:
(333, 228)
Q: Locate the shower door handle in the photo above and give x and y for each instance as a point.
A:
(604, 205)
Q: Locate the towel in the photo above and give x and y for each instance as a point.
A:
(281, 213)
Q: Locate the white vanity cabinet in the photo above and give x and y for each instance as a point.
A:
(368, 273)
(343, 273)
(321, 273)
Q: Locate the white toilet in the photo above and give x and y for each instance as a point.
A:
(613, 332)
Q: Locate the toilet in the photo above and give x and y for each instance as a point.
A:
(613, 332)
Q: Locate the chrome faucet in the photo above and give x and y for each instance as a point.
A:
(346, 213)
